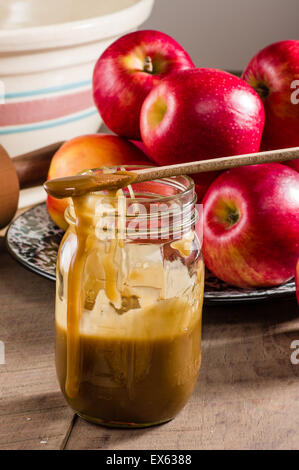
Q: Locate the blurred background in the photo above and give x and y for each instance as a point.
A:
(225, 33)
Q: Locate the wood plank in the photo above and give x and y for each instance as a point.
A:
(247, 396)
(33, 413)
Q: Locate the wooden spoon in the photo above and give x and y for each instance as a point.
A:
(77, 185)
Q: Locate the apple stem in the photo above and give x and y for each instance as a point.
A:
(148, 65)
(233, 218)
(262, 90)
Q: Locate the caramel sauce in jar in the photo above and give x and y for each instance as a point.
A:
(130, 281)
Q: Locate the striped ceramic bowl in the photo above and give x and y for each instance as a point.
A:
(47, 54)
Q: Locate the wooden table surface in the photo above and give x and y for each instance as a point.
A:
(247, 396)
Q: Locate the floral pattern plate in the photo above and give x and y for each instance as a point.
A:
(33, 240)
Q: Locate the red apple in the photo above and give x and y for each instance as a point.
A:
(203, 181)
(197, 114)
(293, 164)
(251, 225)
(128, 70)
(89, 151)
(274, 74)
(297, 281)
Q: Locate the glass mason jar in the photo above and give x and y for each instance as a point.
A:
(130, 280)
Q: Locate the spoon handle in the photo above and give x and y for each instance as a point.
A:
(216, 164)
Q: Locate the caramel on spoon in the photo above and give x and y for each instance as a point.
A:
(72, 186)
(77, 185)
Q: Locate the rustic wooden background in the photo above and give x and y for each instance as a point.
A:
(247, 396)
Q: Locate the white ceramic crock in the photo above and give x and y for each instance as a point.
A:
(47, 53)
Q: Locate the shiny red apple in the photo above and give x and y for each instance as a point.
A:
(293, 164)
(274, 74)
(128, 70)
(202, 183)
(251, 225)
(198, 114)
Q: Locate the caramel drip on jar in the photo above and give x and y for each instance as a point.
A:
(78, 188)
(110, 273)
(75, 292)
(74, 305)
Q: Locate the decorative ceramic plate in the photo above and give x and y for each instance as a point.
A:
(33, 240)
